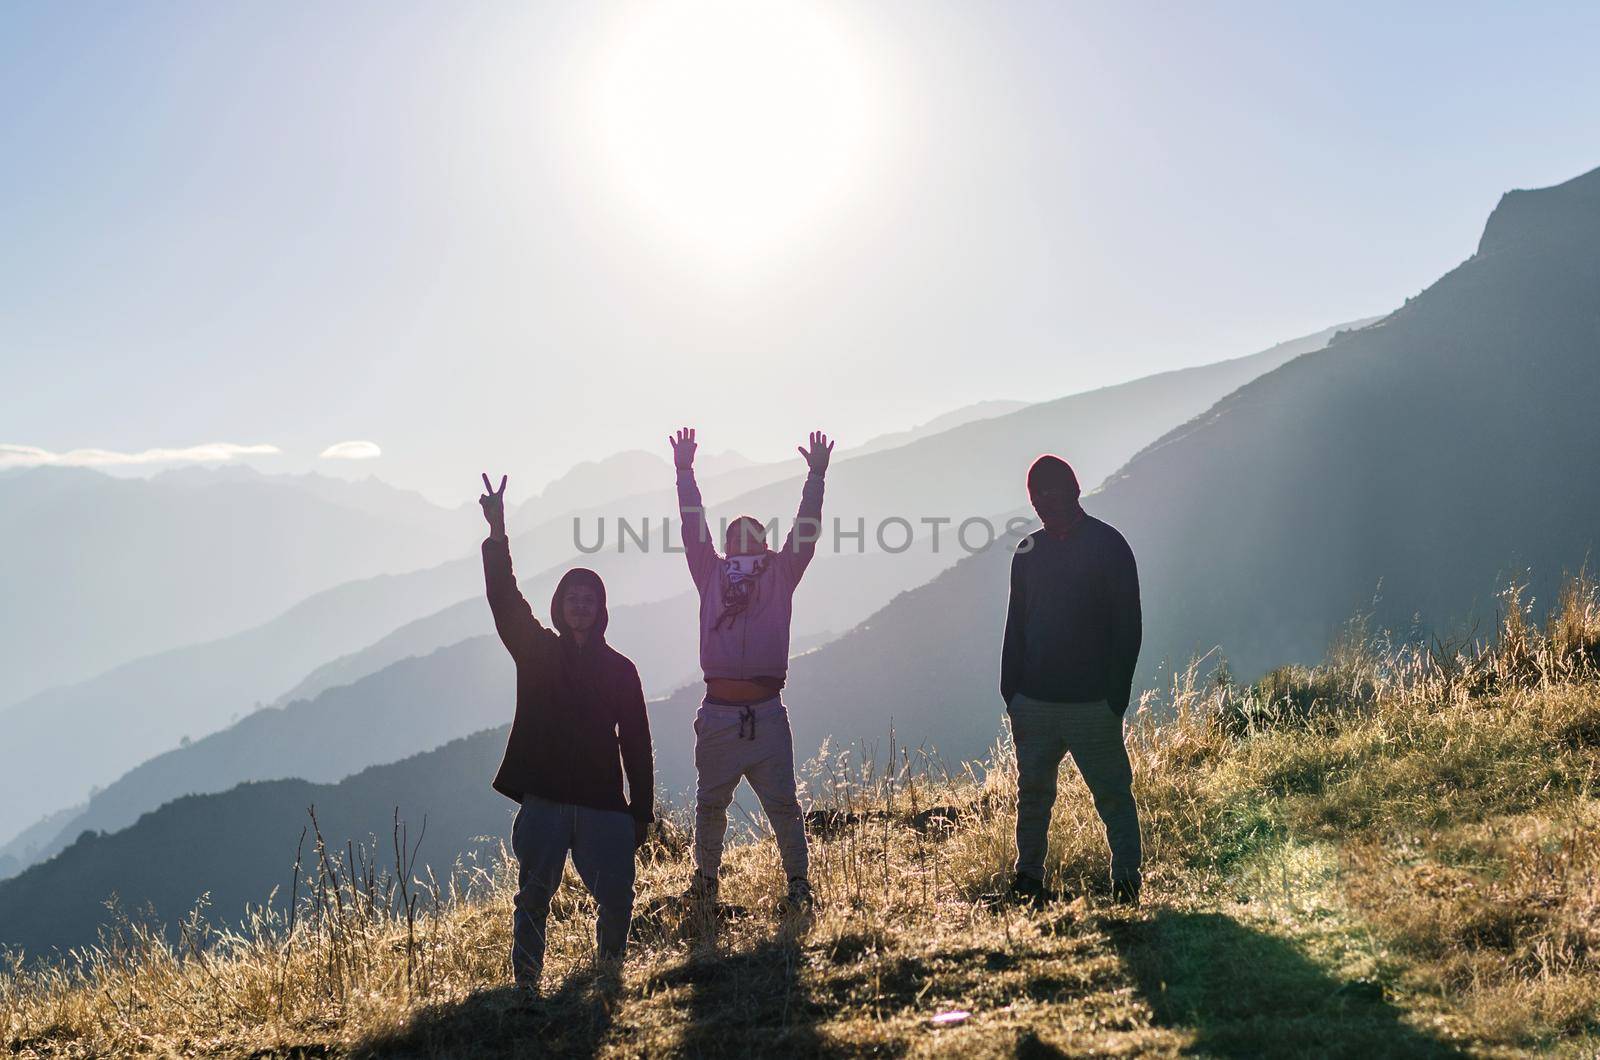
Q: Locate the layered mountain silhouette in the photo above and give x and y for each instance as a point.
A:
(234, 848)
(58, 744)
(595, 482)
(105, 727)
(935, 474)
(979, 410)
(104, 570)
(1405, 474)
(1426, 462)
(452, 691)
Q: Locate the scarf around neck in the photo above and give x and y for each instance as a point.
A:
(743, 579)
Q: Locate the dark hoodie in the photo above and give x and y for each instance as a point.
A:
(580, 720)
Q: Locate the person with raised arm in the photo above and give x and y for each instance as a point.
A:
(580, 727)
(742, 727)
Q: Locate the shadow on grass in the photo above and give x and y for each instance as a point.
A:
(750, 1002)
(1245, 993)
(502, 1023)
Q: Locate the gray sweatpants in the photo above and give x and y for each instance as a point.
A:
(750, 743)
(1044, 733)
(601, 843)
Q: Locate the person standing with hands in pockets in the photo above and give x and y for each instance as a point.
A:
(1073, 627)
(742, 726)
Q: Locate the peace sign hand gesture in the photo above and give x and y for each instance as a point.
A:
(493, 503)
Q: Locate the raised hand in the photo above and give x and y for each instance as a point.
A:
(683, 447)
(817, 457)
(493, 503)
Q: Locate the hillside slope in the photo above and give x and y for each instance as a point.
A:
(1391, 855)
(1435, 454)
(1427, 461)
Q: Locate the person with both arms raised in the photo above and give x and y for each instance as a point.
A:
(580, 725)
(742, 727)
(1072, 637)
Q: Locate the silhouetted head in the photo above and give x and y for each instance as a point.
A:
(746, 537)
(1053, 489)
(579, 604)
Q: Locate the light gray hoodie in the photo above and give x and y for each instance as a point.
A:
(745, 607)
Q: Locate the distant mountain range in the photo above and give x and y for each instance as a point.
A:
(57, 744)
(981, 410)
(595, 482)
(101, 570)
(233, 848)
(592, 484)
(353, 630)
(412, 703)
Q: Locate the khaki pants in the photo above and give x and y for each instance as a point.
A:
(1091, 733)
(746, 743)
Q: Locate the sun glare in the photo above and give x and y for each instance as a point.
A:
(734, 125)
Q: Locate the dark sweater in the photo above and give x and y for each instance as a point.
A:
(1073, 624)
(580, 720)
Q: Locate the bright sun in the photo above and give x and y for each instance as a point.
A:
(734, 125)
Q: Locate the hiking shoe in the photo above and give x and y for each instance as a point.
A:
(801, 900)
(1026, 890)
(701, 895)
(1125, 892)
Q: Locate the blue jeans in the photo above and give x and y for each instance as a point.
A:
(601, 844)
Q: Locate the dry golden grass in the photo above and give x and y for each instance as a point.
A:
(1393, 854)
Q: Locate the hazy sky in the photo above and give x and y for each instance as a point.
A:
(515, 236)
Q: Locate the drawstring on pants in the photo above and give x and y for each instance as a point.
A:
(747, 714)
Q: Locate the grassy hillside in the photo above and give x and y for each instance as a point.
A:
(1392, 854)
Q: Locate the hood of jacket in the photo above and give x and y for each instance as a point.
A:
(558, 618)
